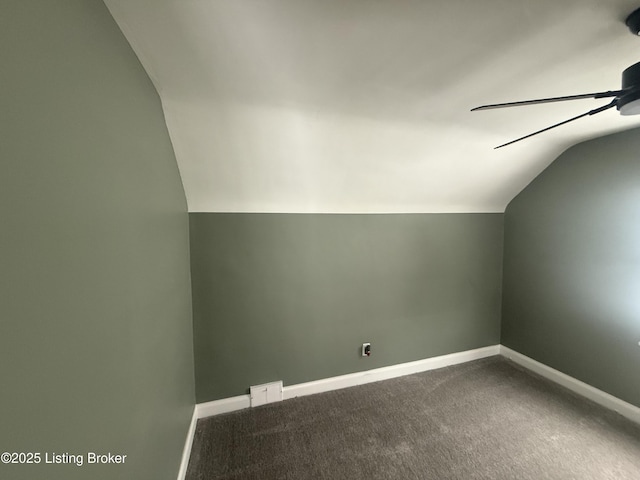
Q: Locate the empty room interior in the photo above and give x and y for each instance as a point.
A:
(275, 239)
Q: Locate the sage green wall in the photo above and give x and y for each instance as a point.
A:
(572, 266)
(95, 316)
(293, 296)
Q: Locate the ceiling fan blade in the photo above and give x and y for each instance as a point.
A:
(590, 112)
(609, 93)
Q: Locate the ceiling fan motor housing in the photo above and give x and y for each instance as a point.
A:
(633, 22)
(631, 77)
(629, 103)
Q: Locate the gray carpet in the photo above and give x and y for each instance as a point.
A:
(487, 419)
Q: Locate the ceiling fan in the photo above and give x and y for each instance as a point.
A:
(626, 100)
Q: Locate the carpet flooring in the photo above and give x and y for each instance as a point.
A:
(487, 419)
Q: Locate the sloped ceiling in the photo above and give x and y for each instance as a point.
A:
(356, 106)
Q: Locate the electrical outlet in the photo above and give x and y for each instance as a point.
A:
(366, 349)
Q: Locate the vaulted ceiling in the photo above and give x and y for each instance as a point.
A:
(355, 106)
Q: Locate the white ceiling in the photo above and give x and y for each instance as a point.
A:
(355, 106)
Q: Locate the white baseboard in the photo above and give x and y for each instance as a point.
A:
(240, 402)
(216, 407)
(186, 452)
(385, 373)
(595, 395)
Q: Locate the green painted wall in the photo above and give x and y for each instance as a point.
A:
(95, 313)
(293, 296)
(572, 266)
